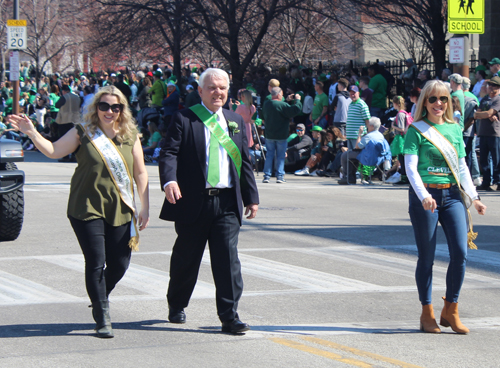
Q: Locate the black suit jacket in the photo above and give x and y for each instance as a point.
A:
(183, 159)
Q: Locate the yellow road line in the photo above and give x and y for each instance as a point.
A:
(322, 353)
(358, 352)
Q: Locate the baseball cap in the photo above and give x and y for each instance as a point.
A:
(457, 78)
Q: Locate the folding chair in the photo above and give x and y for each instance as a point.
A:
(376, 154)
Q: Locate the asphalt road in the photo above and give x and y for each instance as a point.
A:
(329, 282)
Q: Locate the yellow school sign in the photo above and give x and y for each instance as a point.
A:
(466, 16)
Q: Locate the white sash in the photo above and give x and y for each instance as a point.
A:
(120, 174)
(450, 155)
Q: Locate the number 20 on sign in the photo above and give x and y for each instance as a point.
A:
(16, 34)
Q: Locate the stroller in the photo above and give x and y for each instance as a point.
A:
(148, 114)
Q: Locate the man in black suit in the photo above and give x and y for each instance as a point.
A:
(205, 209)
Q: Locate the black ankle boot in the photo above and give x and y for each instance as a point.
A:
(100, 312)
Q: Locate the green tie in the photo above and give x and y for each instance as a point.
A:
(213, 176)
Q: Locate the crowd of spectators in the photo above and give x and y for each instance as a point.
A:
(305, 120)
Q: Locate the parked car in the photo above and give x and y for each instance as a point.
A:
(11, 189)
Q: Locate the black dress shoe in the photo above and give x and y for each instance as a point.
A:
(235, 326)
(176, 316)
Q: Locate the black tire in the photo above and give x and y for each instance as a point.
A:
(11, 210)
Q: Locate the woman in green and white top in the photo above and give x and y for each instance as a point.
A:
(433, 170)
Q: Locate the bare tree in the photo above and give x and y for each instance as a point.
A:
(307, 36)
(236, 28)
(147, 24)
(424, 20)
(50, 30)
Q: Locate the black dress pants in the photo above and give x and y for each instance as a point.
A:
(106, 252)
(219, 225)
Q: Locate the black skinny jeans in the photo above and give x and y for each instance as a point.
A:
(106, 252)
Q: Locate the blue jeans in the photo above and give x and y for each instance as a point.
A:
(471, 157)
(254, 155)
(450, 213)
(323, 122)
(279, 147)
(490, 145)
(377, 111)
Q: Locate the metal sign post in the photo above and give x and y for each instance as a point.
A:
(16, 36)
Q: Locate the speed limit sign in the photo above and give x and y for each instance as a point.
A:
(16, 34)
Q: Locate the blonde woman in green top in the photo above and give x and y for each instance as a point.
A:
(99, 210)
(435, 164)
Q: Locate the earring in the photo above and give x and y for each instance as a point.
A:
(424, 113)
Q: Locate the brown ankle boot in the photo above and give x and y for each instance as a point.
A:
(428, 321)
(450, 318)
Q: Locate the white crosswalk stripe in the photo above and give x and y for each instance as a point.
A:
(142, 282)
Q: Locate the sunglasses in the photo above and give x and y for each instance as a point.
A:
(443, 99)
(300, 130)
(104, 106)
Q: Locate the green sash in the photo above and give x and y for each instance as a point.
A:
(215, 129)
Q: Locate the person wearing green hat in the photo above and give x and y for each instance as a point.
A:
(158, 90)
(321, 145)
(494, 67)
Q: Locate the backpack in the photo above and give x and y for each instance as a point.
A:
(409, 118)
(308, 105)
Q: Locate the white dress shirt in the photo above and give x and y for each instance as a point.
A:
(224, 173)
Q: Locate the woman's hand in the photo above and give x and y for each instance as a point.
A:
(480, 207)
(143, 220)
(429, 203)
(22, 123)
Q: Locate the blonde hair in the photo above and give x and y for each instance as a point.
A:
(455, 103)
(246, 97)
(434, 88)
(127, 128)
(400, 101)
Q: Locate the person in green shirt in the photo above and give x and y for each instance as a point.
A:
(158, 91)
(53, 98)
(378, 84)
(8, 104)
(277, 115)
(320, 109)
(434, 197)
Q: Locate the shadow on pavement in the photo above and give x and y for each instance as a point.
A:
(308, 330)
(82, 329)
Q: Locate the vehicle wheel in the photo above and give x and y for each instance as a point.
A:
(11, 210)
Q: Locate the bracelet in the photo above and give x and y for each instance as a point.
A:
(32, 136)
